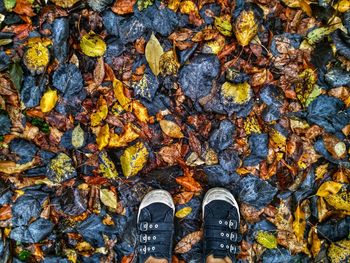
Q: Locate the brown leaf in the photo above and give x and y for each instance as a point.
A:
(99, 71)
(171, 129)
(24, 7)
(5, 212)
(122, 7)
(171, 154)
(335, 146)
(186, 243)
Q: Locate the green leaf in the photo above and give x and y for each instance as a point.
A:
(266, 239)
(9, 4)
(93, 45)
(4, 42)
(24, 254)
(16, 74)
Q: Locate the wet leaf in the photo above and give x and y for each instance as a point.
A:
(328, 188)
(237, 93)
(107, 167)
(65, 3)
(133, 159)
(36, 57)
(16, 73)
(245, 27)
(266, 239)
(140, 111)
(168, 64)
(108, 198)
(78, 136)
(143, 4)
(223, 24)
(299, 224)
(61, 168)
(24, 7)
(186, 243)
(93, 45)
(182, 213)
(171, 129)
(339, 251)
(9, 4)
(103, 136)
(153, 53)
(129, 134)
(48, 100)
(340, 201)
(101, 113)
(118, 89)
(123, 7)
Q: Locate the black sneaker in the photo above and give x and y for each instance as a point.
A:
(155, 222)
(221, 224)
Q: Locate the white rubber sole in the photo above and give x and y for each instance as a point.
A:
(156, 196)
(219, 193)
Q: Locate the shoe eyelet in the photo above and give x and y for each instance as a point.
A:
(220, 222)
(222, 245)
(226, 223)
(227, 235)
(222, 234)
(153, 248)
(154, 237)
(150, 226)
(156, 226)
(148, 238)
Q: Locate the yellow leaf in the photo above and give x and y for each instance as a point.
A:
(318, 34)
(174, 4)
(223, 24)
(36, 57)
(237, 93)
(168, 64)
(245, 27)
(108, 198)
(187, 7)
(215, 46)
(101, 113)
(182, 213)
(329, 187)
(65, 3)
(107, 167)
(340, 201)
(171, 129)
(126, 137)
(133, 159)
(153, 52)
(342, 6)
(78, 137)
(299, 223)
(321, 171)
(339, 252)
(140, 111)
(9, 167)
(93, 45)
(314, 241)
(118, 90)
(103, 137)
(48, 100)
(266, 239)
(278, 137)
(251, 125)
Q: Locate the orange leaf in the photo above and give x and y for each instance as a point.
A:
(122, 7)
(188, 241)
(189, 183)
(5, 212)
(24, 7)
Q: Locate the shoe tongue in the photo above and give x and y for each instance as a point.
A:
(157, 212)
(219, 254)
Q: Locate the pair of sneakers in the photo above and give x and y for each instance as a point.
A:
(220, 225)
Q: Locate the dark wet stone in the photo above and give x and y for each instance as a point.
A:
(68, 79)
(92, 229)
(163, 20)
(222, 138)
(34, 233)
(256, 192)
(24, 149)
(31, 93)
(229, 160)
(131, 29)
(196, 77)
(258, 144)
(272, 95)
(60, 33)
(337, 77)
(5, 124)
(334, 230)
(27, 206)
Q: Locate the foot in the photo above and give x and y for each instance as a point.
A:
(155, 222)
(221, 224)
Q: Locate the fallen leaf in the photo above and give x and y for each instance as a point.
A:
(24, 7)
(245, 27)
(108, 198)
(182, 213)
(107, 167)
(101, 113)
(171, 129)
(65, 3)
(92, 45)
(328, 188)
(186, 243)
(266, 239)
(103, 137)
(223, 24)
(153, 53)
(238, 93)
(118, 90)
(339, 252)
(78, 136)
(129, 134)
(299, 224)
(48, 100)
(123, 7)
(143, 4)
(133, 159)
(140, 111)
